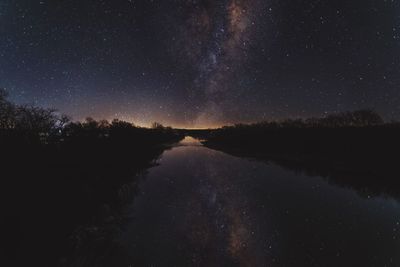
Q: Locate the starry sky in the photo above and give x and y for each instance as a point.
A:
(202, 63)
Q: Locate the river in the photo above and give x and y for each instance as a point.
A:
(200, 207)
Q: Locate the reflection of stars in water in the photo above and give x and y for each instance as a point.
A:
(232, 221)
(219, 225)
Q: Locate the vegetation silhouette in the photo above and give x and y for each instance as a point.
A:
(353, 149)
(64, 184)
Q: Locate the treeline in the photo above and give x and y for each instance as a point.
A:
(32, 124)
(27, 129)
(359, 143)
(359, 118)
(352, 131)
(65, 184)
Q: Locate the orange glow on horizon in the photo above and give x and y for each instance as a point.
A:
(148, 124)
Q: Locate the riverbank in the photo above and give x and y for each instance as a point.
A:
(367, 155)
(63, 197)
(202, 207)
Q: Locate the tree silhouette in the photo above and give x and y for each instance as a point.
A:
(7, 111)
(157, 125)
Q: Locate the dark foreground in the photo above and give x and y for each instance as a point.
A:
(201, 207)
(197, 207)
(63, 198)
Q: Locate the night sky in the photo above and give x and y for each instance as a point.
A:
(194, 63)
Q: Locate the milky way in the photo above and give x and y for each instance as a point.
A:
(224, 31)
(202, 63)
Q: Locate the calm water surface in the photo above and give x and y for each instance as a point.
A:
(202, 207)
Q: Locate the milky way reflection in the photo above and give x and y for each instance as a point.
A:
(201, 207)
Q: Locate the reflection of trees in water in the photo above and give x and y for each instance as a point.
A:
(355, 149)
(364, 183)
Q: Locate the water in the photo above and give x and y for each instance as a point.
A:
(201, 207)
